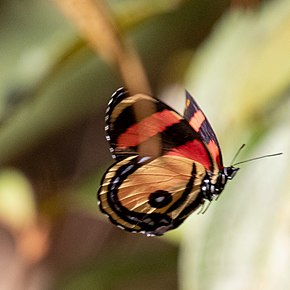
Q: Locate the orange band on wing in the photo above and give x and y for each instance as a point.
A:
(147, 128)
(214, 150)
(196, 120)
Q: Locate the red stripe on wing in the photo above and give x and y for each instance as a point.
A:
(147, 128)
(194, 150)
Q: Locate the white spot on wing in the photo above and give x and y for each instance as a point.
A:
(111, 100)
(143, 159)
(127, 169)
(160, 198)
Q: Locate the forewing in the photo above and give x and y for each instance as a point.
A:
(198, 121)
(151, 196)
(142, 125)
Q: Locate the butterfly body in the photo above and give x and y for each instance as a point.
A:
(167, 166)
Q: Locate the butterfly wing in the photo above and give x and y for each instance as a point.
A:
(197, 119)
(162, 161)
(151, 196)
(142, 125)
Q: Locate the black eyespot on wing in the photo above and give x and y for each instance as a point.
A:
(160, 198)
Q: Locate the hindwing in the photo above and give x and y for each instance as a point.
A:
(151, 196)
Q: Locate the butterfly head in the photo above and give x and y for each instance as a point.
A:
(230, 172)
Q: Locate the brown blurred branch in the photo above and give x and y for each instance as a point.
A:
(97, 26)
(245, 3)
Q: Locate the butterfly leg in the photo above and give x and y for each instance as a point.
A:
(204, 206)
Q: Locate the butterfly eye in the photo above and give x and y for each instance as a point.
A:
(230, 172)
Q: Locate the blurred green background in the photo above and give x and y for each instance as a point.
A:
(234, 56)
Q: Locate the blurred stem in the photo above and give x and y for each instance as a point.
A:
(83, 81)
(98, 28)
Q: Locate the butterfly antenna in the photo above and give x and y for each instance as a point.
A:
(256, 158)
(237, 153)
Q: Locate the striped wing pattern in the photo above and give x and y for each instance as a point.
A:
(161, 161)
(151, 196)
(197, 119)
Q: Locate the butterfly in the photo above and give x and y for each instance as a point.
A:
(167, 165)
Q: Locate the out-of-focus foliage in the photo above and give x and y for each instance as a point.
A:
(243, 72)
(53, 94)
(17, 205)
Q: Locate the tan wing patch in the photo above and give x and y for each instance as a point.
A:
(166, 173)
